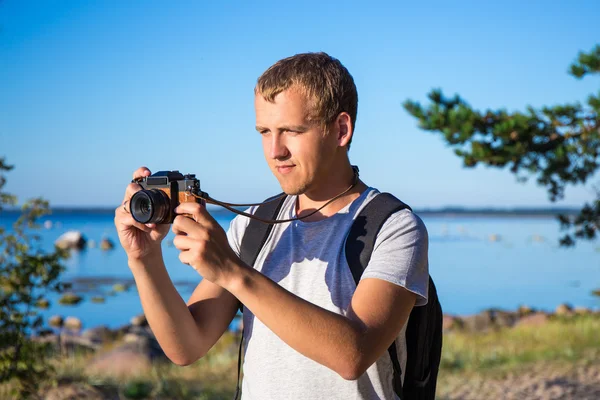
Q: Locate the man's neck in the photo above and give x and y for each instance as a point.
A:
(315, 199)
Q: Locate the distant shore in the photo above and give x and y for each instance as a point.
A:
(520, 212)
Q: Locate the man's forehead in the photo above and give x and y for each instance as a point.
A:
(286, 103)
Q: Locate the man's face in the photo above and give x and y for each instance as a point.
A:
(297, 150)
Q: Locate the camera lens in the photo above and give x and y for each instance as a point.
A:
(151, 207)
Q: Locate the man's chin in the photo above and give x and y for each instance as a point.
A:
(291, 190)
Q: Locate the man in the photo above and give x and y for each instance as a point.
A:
(310, 332)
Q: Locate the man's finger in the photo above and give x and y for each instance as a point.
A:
(178, 229)
(182, 242)
(126, 219)
(130, 191)
(141, 172)
(197, 211)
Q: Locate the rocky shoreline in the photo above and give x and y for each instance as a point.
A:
(134, 346)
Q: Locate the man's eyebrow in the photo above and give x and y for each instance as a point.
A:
(293, 128)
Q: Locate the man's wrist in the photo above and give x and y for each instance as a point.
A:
(238, 278)
(145, 261)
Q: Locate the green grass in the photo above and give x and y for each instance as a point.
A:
(560, 339)
(560, 343)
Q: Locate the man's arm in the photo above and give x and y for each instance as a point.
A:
(184, 332)
(346, 344)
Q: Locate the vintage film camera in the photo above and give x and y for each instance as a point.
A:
(162, 193)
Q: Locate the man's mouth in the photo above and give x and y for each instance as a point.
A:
(284, 169)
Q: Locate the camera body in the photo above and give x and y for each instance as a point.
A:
(161, 193)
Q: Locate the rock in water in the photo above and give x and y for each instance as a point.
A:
(56, 321)
(70, 299)
(107, 244)
(73, 324)
(71, 240)
(139, 320)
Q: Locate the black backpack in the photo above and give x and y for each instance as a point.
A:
(424, 328)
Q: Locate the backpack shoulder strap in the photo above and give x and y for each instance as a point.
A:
(359, 248)
(257, 232)
(361, 239)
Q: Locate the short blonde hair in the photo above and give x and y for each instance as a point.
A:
(323, 80)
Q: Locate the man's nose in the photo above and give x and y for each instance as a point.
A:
(278, 149)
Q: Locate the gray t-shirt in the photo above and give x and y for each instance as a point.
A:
(308, 259)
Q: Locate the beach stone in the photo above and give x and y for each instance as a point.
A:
(479, 322)
(525, 310)
(71, 343)
(504, 319)
(582, 311)
(73, 324)
(495, 238)
(133, 357)
(124, 361)
(99, 334)
(43, 304)
(56, 321)
(98, 299)
(107, 244)
(448, 323)
(45, 332)
(139, 320)
(71, 240)
(535, 319)
(72, 391)
(70, 299)
(538, 238)
(564, 309)
(120, 287)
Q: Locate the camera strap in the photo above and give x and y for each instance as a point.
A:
(229, 206)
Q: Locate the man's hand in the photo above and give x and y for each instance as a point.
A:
(138, 240)
(203, 243)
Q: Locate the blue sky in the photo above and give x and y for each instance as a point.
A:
(89, 91)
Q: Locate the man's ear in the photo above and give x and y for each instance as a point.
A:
(344, 129)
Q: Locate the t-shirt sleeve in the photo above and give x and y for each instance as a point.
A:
(236, 230)
(400, 254)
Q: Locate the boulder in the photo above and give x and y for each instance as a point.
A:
(535, 319)
(73, 324)
(582, 311)
(98, 335)
(139, 320)
(450, 322)
(56, 321)
(124, 361)
(564, 310)
(72, 344)
(504, 319)
(495, 237)
(107, 244)
(133, 357)
(479, 322)
(71, 240)
(525, 310)
(76, 390)
(70, 299)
